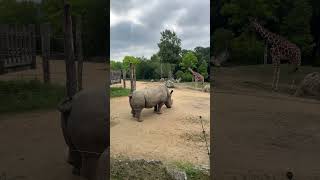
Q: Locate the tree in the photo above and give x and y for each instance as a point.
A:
(189, 60)
(116, 65)
(129, 59)
(170, 47)
(203, 69)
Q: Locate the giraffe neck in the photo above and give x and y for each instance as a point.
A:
(268, 36)
(191, 71)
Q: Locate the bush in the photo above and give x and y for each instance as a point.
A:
(187, 77)
(179, 74)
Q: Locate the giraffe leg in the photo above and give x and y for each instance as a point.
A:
(274, 77)
(278, 76)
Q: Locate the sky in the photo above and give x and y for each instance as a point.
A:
(136, 25)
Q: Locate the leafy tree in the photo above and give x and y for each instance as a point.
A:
(129, 59)
(189, 60)
(170, 47)
(116, 65)
(203, 69)
(222, 40)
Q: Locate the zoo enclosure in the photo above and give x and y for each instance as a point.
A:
(17, 47)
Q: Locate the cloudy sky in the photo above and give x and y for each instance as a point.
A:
(136, 25)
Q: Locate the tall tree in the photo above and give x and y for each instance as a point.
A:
(170, 48)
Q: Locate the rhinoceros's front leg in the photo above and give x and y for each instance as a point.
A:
(133, 113)
(156, 108)
(159, 111)
(137, 114)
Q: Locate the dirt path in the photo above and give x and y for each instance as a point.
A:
(175, 135)
(31, 143)
(263, 132)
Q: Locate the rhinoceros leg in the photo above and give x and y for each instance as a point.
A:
(155, 108)
(159, 108)
(89, 165)
(133, 113)
(138, 113)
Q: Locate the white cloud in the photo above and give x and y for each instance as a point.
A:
(136, 25)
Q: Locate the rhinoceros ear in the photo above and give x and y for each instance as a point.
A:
(171, 92)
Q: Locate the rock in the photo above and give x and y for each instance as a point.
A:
(162, 80)
(206, 88)
(310, 85)
(176, 174)
(152, 80)
(178, 80)
(169, 84)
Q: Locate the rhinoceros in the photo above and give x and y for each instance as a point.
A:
(150, 98)
(85, 127)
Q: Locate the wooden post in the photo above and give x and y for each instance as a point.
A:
(124, 78)
(71, 80)
(45, 46)
(32, 45)
(79, 51)
(132, 78)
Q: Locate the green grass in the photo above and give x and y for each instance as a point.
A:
(118, 92)
(21, 95)
(192, 172)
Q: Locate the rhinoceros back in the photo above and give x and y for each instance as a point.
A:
(148, 98)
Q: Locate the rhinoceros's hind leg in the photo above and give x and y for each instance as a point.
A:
(156, 108)
(89, 165)
(159, 111)
(74, 158)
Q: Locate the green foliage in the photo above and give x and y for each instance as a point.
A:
(170, 47)
(12, 12)
(245, 49)
(129, 59)
(116, 65)
(118, 92)
(29, 95)
(192, 172)
(189, 60)
(203, 69)
(187, 77)
(221, 40)
(179, 74)
(289, 18)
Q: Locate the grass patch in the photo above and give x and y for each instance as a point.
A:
(22, 95)
(118, 91)
(192, 172)
(123, 169)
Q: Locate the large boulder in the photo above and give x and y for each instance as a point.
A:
(169, 84)
(310, 86)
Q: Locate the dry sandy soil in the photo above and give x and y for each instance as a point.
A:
(32, 146)
(175, 135)
(262, 132)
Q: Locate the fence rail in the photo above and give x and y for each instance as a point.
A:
(17, 47)
(115, 77)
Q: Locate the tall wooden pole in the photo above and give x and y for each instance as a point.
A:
(71, 81)
(45, 46)
(79, 51)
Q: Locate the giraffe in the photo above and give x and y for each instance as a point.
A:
(280, 49)
(197, 76)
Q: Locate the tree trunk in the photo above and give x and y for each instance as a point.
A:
(265, 59)
(124, 78)
(71, 80)
(79, 51)
(45, 46)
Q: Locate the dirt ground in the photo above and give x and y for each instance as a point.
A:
(261, 132)
(32, 146)
(175, 135)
